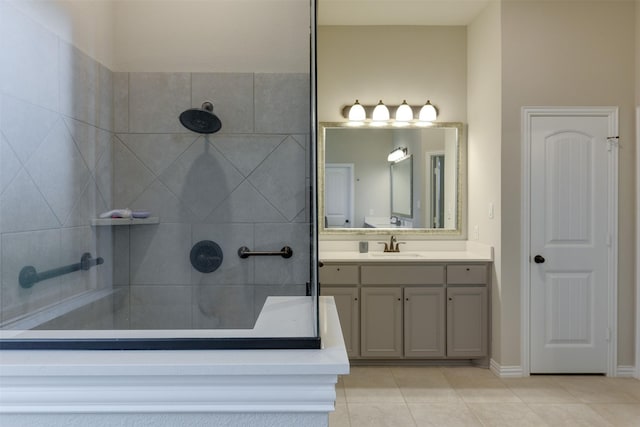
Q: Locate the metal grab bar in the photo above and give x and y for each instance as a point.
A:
(29, 276)
(245, 252)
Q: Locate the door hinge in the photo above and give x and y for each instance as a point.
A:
(607, 336)
(608, 240)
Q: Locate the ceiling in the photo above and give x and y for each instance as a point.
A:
(398, 12)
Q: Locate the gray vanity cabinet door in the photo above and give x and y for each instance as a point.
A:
(467, 321)
(348, 306)
(381, 322)
(424, 322)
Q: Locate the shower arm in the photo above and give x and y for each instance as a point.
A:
(29, 276)
(245, 252)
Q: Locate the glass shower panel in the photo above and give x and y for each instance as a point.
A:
(158, 180)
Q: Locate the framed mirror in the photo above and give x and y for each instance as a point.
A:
(361, 192)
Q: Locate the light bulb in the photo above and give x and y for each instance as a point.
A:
(404, 113)
(380, 113)
(428, 113)
(357, 113)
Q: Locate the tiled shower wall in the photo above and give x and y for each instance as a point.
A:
(78, 139)
(55, 155)
(243, 186)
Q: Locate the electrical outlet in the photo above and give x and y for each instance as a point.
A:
(476, 233)
(491, 211)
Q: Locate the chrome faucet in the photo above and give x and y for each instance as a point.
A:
(393, 245)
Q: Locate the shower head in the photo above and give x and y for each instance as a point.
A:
(201, 120)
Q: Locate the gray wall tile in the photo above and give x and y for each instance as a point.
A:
(246, 152)
(245, 205)
(160, 254)
(280, 178)
(32, 53)
(9, 163)
(282, 103)
(92, 142)
(79, 84)
(161, 202)
(25, 125)
(121, 255)
(157, 151)
(22, 207)
(121, 102)
(231, 95)
(202, 178)
(105, 102)
(156, 100)
(59, 171)
(130, 176)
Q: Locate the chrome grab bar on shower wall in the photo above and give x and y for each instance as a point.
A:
(245, 252)
(29, 276)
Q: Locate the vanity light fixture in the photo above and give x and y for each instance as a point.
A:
(380, 114)
(397, 154)
(428, 113)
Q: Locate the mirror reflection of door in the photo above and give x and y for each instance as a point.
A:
(338, 195)
(437, 190)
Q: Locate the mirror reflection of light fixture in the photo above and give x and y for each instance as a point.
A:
(397, 154)
(428, 113)
(404, 113)
(357, 113)
(380, 114)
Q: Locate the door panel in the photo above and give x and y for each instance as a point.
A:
(338, 195)
(569, 205)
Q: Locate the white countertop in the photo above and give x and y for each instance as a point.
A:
(411, 251)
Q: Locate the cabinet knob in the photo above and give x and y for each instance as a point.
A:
(407, 299)
(355, 299)
(468, 269)
(450, 298)
(399, 299)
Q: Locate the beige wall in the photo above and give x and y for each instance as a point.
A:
(240, 35)
(584, 57)
(392, 63)
(484, 145)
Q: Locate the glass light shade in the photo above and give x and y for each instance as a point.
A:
(397, 154)
(428, 113)
(404, 113)
(357, 113)
(380, 113)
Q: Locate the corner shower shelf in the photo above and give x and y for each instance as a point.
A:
(124, 221)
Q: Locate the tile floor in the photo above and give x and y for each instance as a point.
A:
(373, 396)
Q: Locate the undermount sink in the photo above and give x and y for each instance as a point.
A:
(395, 255)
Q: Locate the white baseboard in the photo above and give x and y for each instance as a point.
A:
(505, 371)
(626, 371)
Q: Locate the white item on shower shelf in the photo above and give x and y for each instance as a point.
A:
(117, 213)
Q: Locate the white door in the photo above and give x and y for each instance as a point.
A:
(338, 195)
(569, 208)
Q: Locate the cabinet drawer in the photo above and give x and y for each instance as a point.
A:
(466, 274)
(338, 274)
(402, 274)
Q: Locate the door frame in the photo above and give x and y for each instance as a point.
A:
(528, 113)
(637, 367)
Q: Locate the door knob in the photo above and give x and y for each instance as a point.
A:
(538, 259)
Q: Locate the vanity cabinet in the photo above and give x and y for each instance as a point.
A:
(348, 307)
(411, 310)
(341, 282)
